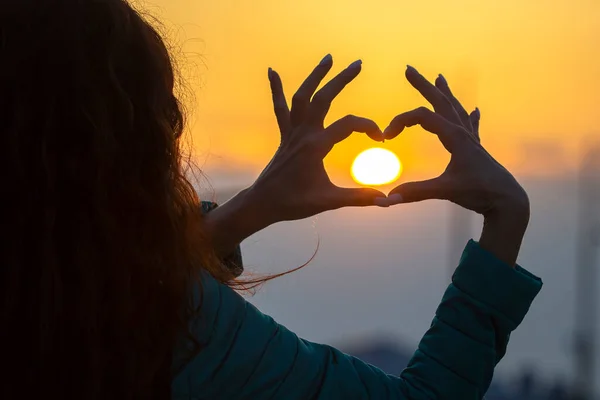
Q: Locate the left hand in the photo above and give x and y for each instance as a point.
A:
(295, 185)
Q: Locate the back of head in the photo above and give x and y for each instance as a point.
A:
(101, 231)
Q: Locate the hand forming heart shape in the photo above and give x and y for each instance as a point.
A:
(295, 185)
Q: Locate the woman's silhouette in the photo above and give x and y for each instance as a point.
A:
(117, 285)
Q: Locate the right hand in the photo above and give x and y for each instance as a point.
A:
(473, 179)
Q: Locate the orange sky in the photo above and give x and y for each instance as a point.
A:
(532, 67)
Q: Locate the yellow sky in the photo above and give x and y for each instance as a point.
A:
(532, 67)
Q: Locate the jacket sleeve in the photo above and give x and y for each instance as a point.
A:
(247, 355)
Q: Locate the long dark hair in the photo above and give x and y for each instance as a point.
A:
(101, 231)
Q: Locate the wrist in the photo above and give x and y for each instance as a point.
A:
(503, 231)
(511, 214)
(234, 221)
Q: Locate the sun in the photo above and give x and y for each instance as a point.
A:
(376, 166)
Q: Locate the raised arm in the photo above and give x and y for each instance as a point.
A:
(245, 354)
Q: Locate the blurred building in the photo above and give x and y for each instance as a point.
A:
(586, 262)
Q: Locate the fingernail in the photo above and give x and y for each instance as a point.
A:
(326, 60)
(395, 199)
(444, 81)
(355, 64)
(381, 202)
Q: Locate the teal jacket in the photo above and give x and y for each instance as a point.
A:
(247, 355)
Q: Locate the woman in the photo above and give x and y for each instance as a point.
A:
(115, 285)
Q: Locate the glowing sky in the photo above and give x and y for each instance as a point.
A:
(532, 67)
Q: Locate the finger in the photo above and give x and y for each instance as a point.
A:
(356, 197)
(411, 192)
(322, 100)
(433, 95)
(475, 117)
(345, 126)
(282, 112)
(442, 84)
(301, 99)
(449, 134)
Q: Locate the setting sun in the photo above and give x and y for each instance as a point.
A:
(376, 166)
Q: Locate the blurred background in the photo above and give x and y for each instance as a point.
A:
(533, 69)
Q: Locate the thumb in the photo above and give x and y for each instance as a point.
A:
(356, 197)
(411, 192)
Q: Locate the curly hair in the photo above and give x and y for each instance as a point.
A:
(102, 232)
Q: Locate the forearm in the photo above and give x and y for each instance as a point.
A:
(234, 221)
